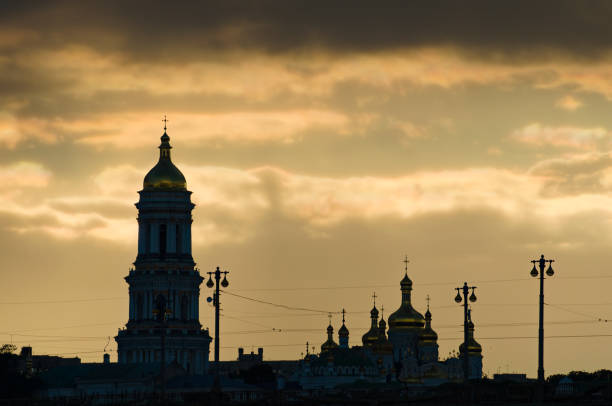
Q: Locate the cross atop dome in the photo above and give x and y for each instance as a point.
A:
(165, 120)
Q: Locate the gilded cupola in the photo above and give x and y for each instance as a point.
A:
(473, 346)
(428, 335)
(343, 333)
(329, 344)
(406, 317)
(371, 337)
(383, 344)
(164, 175)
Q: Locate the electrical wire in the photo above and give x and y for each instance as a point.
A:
(304, 309)
(64, 301)
(590, 316)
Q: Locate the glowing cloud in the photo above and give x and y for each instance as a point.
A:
(568, 103)
(574, 137)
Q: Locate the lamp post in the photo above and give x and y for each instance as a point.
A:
(534, 272)
(465, 289)
(161, 312)
(216, 303)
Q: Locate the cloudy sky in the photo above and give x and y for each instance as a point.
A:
(322, 143)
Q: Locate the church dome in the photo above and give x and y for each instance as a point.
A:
(383, 345)
(329, 344)
(406, 317)
(164, 175)
(472, 345)
(371, 336)
(343, 332)
(428, 334)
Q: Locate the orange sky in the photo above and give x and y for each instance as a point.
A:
(321, 147)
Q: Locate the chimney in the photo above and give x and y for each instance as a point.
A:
(106, 358)
(260, 353)
(240, 353)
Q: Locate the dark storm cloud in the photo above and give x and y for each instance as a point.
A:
(521, 29)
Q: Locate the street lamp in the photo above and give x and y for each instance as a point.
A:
(534, 272)
(216, 303)
(465, 289)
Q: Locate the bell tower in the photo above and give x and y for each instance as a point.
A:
(164, 285)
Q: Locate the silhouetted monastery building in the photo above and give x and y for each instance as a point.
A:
(406, 352)
(28, 364)
(164, 283)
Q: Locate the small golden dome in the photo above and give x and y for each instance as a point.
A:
(473, 346)
(428, 335)
(329, 344)
(164, 175)
(343, 332)
(371, 336)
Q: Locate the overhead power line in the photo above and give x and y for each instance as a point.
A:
(84, 300)
(100, 299)
(304, 309)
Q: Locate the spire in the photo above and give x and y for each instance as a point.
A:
(473, 346)
(406, 283)
(374, 311)
(343, 333)
(164, 148)
(382, 325)
(329, 344)
(371, 336)
(428, 313)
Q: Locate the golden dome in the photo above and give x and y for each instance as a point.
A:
(428, 335)
(383, 345)
(329, 344)
(473, 346)
(406, 317)
(164, 175)
(343, 332)
(371, 337)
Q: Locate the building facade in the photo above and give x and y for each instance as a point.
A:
(164, 285)
(406, 352)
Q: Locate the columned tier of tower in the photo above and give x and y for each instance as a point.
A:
(164, 229)
(180, 290)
